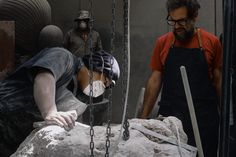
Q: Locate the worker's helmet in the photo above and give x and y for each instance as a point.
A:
(104, 62)
(82, 15)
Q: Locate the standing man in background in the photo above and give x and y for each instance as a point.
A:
(77, 40)
(201, 53)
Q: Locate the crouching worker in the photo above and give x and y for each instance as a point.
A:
(44, 89)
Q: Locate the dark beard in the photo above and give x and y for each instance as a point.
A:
(187, 35)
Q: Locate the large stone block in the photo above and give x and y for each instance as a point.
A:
(144, 141)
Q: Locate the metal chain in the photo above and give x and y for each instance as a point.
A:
(126, 130)
(109, 112)
(125, 58)
(109, 109)
(91, 107)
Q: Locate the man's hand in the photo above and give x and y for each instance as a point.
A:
(63, 119)
(44, 95)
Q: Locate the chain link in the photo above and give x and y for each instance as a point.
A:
(126, 130)
(91, 107)
(108, 142)
(113, 25)
(125, 71)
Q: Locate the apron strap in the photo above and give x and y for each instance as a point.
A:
(199, 38)
(173, 42)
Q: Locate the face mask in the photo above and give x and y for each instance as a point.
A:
(98, 88)
(83, 25)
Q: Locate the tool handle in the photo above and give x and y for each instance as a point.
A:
(191, 110)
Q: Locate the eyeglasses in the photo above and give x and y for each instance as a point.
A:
(181, 22)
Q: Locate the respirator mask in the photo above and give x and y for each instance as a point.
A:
(83, 25)
(98, 87)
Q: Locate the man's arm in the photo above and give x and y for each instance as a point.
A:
(151, 92)
(44, 95)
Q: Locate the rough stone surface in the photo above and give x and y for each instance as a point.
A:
(53, 141)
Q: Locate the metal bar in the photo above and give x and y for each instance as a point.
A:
(139, 103)
(164, 138)
(225, 96)
(192, 111)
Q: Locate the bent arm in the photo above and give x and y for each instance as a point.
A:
(44, 95)
(151, 92)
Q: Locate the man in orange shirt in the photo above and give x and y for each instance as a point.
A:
(201, 53)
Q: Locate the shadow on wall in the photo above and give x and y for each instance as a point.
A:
(106, 40)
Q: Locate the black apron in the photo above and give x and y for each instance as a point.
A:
(173, 99)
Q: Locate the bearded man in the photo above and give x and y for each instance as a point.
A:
(201, 53)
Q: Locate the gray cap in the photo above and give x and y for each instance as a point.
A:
(50, 36)
(83, 14)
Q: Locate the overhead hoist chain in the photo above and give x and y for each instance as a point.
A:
(109, 108)
(91, 107)
(126, 67)
(125, 80)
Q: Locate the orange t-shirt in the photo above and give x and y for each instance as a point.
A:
(210, 43)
